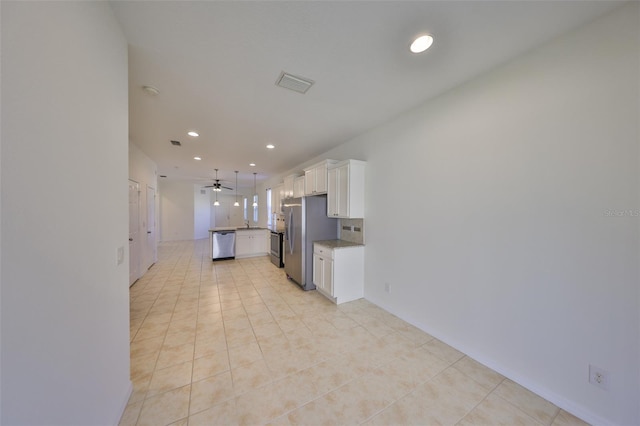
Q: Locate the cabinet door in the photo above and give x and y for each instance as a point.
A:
(298, 187)
(321, 179)
(243, 244)
(275, 199)
(288, 186)
(262, 243)
(332, 192)
(282, 197)
(343, 191)
(318, 268)
(327, 276)
(309, 182)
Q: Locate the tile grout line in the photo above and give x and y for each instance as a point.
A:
(242, 275)
(145, 397)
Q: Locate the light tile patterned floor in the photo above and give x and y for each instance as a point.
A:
(234, 342)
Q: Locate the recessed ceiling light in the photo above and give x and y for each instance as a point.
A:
(252, 164)
(197, 158)
(193, 134)
(421, 44)
(270, 146)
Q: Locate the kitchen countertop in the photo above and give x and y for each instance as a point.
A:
(334, 244)
(235, 228)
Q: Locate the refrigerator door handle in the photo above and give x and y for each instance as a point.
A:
(290, 229)
(286, 230)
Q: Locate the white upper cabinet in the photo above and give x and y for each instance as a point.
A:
(289, 183)
(316, 178)
(345, 189)
(276, 199)
(298, 187)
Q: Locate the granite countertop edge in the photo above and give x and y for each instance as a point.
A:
(235, 228)
(336, 244)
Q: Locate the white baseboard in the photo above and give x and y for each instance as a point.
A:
(123, 403)
(569, 406)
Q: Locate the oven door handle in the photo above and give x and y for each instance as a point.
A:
(276, 244)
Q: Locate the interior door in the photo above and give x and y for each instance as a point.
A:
(134, 234)
(152, 247)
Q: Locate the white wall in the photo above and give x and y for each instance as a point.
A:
(487, 214)
(65, 301)
(201, 212)
(226, 214)
(176, 210)
(187, 214)
(0, 218)
(144, 171)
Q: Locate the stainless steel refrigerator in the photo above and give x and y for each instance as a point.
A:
(306, 221)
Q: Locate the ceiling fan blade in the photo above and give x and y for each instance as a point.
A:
(226, 187)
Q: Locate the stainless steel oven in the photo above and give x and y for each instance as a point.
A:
(276, 248)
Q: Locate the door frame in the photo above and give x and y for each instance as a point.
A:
(134, 244)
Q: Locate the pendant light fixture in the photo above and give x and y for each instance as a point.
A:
(255, 193)
(236, 204)
(216, 190)
(216, 186)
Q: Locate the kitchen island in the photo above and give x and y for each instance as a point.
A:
(248, 242)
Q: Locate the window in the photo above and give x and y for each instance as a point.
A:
(244, 209)
(255, 208)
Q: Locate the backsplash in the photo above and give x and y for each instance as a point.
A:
(352, 230)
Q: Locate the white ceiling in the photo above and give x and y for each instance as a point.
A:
(216, 64)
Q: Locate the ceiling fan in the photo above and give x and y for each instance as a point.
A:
(217, 186)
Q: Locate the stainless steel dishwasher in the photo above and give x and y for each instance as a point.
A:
(223, 245)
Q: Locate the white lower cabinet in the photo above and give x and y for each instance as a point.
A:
(251, 242)
(338, 272)
(323, 273)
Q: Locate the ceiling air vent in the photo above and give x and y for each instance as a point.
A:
(176, 143)
(291, 82)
